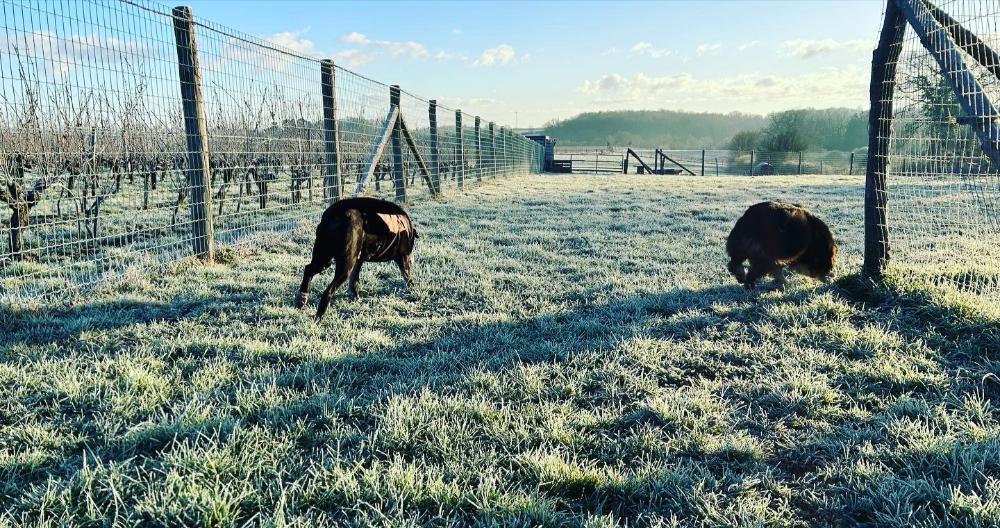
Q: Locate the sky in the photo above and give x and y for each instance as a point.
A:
(525, 63)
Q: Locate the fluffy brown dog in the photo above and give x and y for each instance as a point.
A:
(774, 235)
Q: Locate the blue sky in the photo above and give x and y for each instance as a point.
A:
(548, 60)
(529, 62)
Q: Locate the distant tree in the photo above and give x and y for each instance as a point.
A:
(787, 132)
(745, 140)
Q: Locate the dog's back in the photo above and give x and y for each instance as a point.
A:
(770, 231)
(773, 235)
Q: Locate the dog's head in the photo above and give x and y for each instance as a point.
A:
(820, 258)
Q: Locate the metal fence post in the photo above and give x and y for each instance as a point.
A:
(432, 116)
(399, 179)
(332, 184)
(196, 132)
(479, 152)
(503, 145)
(493, 151)
(460, 152)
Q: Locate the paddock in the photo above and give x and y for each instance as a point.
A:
(575, 352)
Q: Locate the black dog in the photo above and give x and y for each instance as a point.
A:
(354, 231)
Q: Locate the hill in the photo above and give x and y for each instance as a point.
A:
(830, 129)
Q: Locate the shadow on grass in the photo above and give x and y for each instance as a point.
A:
(49, 326)
(463, 350)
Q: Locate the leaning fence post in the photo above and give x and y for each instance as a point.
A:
(332, 184)
(493, 151)
(432, 116)
(399, 180)
(479, 151)
(460, 151)
(196, 132)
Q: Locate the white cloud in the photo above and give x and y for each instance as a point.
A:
(807, 49)
(497, 56)
(355, 38)
(367, 49)
(443, 56)
(708, 49)
(826, 87)
(456, 31)
(293, 41)
(610, 51)
(747, 45)
(352, 57)
(646, 48)
(62, 54)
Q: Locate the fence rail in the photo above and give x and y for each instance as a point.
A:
(714, 162)
(134, 134)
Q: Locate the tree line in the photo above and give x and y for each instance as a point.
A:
(787, 131)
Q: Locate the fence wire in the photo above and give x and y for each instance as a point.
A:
(717, 162)
(943, 202)
(93, 153)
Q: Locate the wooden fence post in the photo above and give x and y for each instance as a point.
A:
(850, 170)
(881, 92)
(479, 152)
(493, 151)
(702, 162)
(399, 179)
(460, 151)
(503, 145)
(196, 132)
(332, 179)
(800, 163)
(752, 154)
(432, 116)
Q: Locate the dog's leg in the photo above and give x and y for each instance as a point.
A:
(406, 267)
(321, 259)
(355, 281)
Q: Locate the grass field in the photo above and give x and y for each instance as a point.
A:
(574, 354)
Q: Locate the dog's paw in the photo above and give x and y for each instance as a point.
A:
(301, 299)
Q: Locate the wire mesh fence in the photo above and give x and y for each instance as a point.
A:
(939, 203)
(712, 162)
(99, 170)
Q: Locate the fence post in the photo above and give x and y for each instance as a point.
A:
(800, 163)
(752, 154)
(332, 187)
(460, 152)
(399, 179)
(479, 152)
(702, 162)
(850, 170)
(503, 144)
(881, 92)
(196, 131)
(432, 116)
(493, 151)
